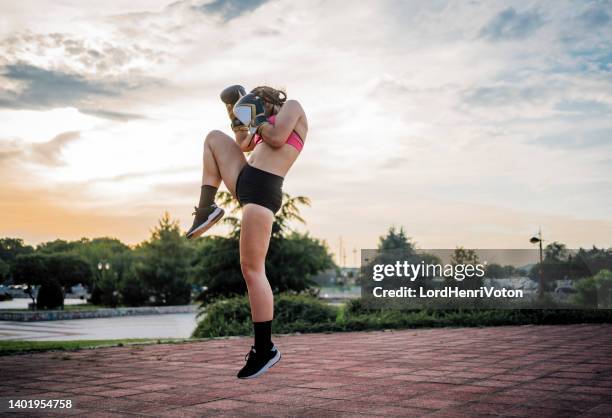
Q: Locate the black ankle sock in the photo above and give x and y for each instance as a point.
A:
(207, 195)
(263, 335)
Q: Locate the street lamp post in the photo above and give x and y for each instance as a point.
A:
(538, 240)
(102, 267)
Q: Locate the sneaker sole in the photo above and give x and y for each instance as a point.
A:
(267, 367)
(212, 219)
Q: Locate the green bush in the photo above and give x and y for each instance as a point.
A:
(595, 291)
(305, 313)
(356, 307)
(50, 295)
(106, 291)
(133, 291)
(293, 313)
(225, 317)
(396, 319)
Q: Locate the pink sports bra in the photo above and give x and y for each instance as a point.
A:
(294, 139)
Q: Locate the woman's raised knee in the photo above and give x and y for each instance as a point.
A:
(213, 135)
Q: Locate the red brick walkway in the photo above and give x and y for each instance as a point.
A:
(513, 371)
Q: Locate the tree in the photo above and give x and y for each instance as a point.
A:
(288, 212)
(464, 257)
(217, 267)
(596, 291)
(561, 264)
(5, 269)
(10, 249)
(495, 271)
(396, 240)
(30, 269)
(50, 272)
(106, 250)
(555, 252)
(132, 291)
(164, 264)
(592, 261)
(68, 269)
(57, 246)
(107, 291)
(292, 257)
(97, 251)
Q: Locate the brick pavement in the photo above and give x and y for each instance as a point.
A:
(453, 372)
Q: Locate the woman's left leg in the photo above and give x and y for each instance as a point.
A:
(254, 241)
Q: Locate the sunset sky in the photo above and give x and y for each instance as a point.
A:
(469, 123)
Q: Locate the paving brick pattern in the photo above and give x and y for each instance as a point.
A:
(521, 371)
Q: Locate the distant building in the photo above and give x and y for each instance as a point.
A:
(350, 272)
(516, 283)
(326, 277)
(78, 292)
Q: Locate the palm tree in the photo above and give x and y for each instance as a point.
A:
(289, 211)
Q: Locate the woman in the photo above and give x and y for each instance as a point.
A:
(275, 135)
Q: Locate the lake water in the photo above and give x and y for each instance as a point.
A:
(141, 326)
(22, 303)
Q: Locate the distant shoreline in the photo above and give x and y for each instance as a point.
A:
(58, 315)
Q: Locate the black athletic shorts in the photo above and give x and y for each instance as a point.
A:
(260, 187)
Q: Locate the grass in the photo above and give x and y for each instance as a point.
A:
(22, 347)
(83, 307)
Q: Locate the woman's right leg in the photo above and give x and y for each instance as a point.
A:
(223, 161)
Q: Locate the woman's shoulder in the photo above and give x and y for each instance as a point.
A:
(293, 105)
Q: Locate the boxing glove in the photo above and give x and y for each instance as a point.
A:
(230, 95)
(250, 110)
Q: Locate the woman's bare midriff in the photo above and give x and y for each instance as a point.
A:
(274, 160)
(277, 160)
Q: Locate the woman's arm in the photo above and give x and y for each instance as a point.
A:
(286, 120)
(245, 141)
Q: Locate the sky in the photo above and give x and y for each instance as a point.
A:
(468, 123)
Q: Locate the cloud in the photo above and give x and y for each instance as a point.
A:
(230, 9)
(95, 74)
(504, 95)
(583, 106)
(40, 89)
(111, 114)
(46, 153)
(577, 140)
(444, 107)
(137, 175)
(9, 154)
(596, 15)
(81, 54)
(50, 152)
(510, 25)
